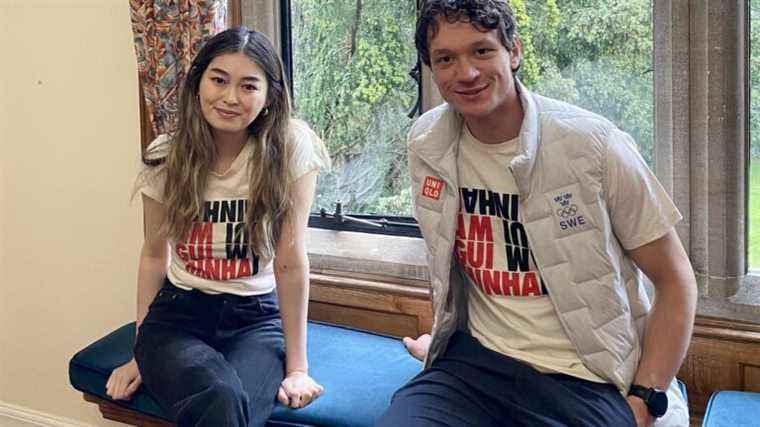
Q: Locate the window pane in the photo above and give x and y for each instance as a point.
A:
(596, 54)
(351, 83)
(351, 59)
(754, 134)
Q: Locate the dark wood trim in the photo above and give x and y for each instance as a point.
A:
(371, 283)
(721, 328)
(112, 411)
(146, 127)
(234, 13)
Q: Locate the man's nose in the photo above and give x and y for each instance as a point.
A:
(467, 70)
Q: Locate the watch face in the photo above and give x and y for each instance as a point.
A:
(658, 403)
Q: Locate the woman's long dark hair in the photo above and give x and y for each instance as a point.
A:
(193, 152)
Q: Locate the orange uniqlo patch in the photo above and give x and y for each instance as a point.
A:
(432, 187)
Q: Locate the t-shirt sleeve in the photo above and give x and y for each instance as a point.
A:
(640, 209)
(151, 179)
(307, 151)
(151, 182)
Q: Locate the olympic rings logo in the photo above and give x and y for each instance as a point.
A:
(567, 212)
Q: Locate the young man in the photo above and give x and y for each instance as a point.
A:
(538, 217)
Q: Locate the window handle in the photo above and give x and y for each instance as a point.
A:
(341, 218)
(378, 224)
(416, 74)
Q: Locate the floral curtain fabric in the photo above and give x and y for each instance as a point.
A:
(168, 34)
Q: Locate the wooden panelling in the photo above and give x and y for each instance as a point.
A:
(111, 411)
(234, 13)
(388, 308)
(723, 355)
(146, 126)
(399, 325)
(751, 376)
(370, 284)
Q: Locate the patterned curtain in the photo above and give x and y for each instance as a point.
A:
(168, 34)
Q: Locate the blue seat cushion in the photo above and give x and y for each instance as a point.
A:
(359, 370)
(732, 409)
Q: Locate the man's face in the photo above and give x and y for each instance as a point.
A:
(472, 69)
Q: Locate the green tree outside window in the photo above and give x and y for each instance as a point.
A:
(351, 82)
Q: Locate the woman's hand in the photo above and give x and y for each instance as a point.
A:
(298, 389)
(124, 381)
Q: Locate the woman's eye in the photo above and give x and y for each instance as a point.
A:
(250, 88)
(483, 51)
(217, 80)
(443, 60)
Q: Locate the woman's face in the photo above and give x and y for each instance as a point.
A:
(232, 93)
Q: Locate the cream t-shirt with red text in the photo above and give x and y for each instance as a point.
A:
(510, 310)
(215, 257)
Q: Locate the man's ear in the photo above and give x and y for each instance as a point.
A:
(515, 55)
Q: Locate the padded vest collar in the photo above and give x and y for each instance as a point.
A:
(438, 145)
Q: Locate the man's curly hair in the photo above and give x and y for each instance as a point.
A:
(485, 15)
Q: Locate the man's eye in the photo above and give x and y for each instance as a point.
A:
(483, 51)
(443, 60)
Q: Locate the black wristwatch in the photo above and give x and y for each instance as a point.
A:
(656, 400)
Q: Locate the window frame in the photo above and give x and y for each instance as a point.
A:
(752, 279)
(337, 220)
(727, 288)
(752, 273)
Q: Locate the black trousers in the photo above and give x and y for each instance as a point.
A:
(212, 360)
(470, 385)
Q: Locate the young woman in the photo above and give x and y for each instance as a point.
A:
(226, 203)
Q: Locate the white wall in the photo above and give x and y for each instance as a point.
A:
(69, 237)
(3, 147)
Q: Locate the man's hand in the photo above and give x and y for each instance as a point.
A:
(419, 347)
(124, 381)
(640, 412)
(298, 389)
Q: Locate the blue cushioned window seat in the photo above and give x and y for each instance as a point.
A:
(359, 370)
(732, 409)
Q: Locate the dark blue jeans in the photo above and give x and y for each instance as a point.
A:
(470, 385)
(212, 360)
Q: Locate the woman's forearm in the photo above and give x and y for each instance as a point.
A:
(293, 292)
(150, 277)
